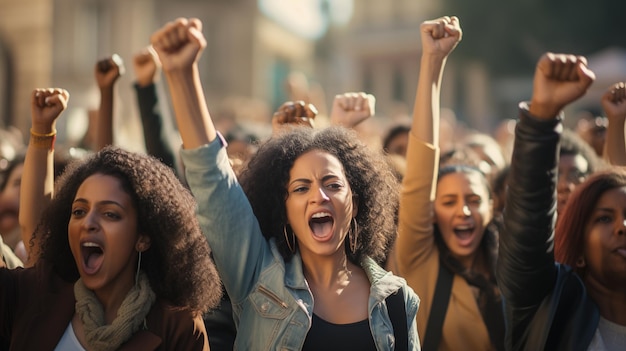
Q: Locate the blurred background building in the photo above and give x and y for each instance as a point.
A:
(254, 45)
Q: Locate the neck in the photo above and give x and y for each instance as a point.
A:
(111, 298)
(469, 262)
(611, 301)
(329, 272)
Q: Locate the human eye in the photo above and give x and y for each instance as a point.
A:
(112, 215)
(78, 212)
(334, 185)
(300, 189)
(576, 176)
(448, 202)
(603, 219)
(475, 200)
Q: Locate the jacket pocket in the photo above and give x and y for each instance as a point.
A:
(269, 304)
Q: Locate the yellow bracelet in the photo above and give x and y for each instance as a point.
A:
(43, 141)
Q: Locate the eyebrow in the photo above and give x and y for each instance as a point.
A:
(104, 202)
(308, 181)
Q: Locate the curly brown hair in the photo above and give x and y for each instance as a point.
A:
(371, 179)
(178, 262)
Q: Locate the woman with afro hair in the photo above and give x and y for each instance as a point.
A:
(120, 262)
(299, 241)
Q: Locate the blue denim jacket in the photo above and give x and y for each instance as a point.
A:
(272, 304)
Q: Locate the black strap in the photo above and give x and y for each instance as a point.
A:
(438, 309)
(397, 314)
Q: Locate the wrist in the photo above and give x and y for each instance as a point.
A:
(43, 128)
(142, 83)
(43, 140)
(543, 110)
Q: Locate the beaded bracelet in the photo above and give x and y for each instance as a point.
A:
(43, 141)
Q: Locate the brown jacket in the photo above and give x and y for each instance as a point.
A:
(415, 256)
(36, 306)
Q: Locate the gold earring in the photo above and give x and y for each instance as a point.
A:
(580, 263)
(292, 247)
(353, 235)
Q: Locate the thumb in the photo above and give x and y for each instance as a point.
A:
(194, 32)
(586, 75)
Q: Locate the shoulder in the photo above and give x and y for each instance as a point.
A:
(176, 326)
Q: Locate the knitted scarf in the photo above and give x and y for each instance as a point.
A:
(130, 316)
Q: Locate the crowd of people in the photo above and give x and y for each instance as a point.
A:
(311, 237)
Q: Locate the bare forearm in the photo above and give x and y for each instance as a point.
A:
(35, 194)
(104, 122)
(615, 147)
(189, 104)
(425, 124)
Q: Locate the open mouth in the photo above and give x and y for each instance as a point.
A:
(321, 224)
(93, 255)
(464, 234)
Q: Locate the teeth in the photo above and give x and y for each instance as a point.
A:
(463, 227)
(321, 215)
(90, 244)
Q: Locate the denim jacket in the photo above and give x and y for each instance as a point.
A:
(272, 304)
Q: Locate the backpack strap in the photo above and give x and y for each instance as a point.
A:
(397, 314)
(438, 309)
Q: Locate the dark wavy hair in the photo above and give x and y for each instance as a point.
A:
(371, 179)
(573, 144)
(569, 236)
(178, 263)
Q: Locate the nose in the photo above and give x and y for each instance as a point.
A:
(563, 184)
(320, 196)
(465, 210)
(621, 227)
(89, 222)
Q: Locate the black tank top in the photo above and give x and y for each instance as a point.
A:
(339, 337)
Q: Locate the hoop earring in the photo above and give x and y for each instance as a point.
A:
(581, 263)
(292, 247)
(353, 235)
(138, 265)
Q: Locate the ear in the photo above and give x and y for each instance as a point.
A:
(143, 243)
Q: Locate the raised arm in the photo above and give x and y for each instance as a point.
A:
(107, 72)
(439, 38)
(614, 105)
(179, 45)
(153, 119)
(36, 189)
(293, 113)
(415, 240)
(225, 215)
(351, 108)
(526, 272)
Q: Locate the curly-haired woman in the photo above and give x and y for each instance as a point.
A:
(120, 261)
(299, 255)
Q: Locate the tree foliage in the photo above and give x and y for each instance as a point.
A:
(509, 36)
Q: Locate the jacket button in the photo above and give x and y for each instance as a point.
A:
(265, 306)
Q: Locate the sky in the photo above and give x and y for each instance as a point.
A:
(307, 17)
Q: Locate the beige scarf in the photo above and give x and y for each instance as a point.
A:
(130, 316)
